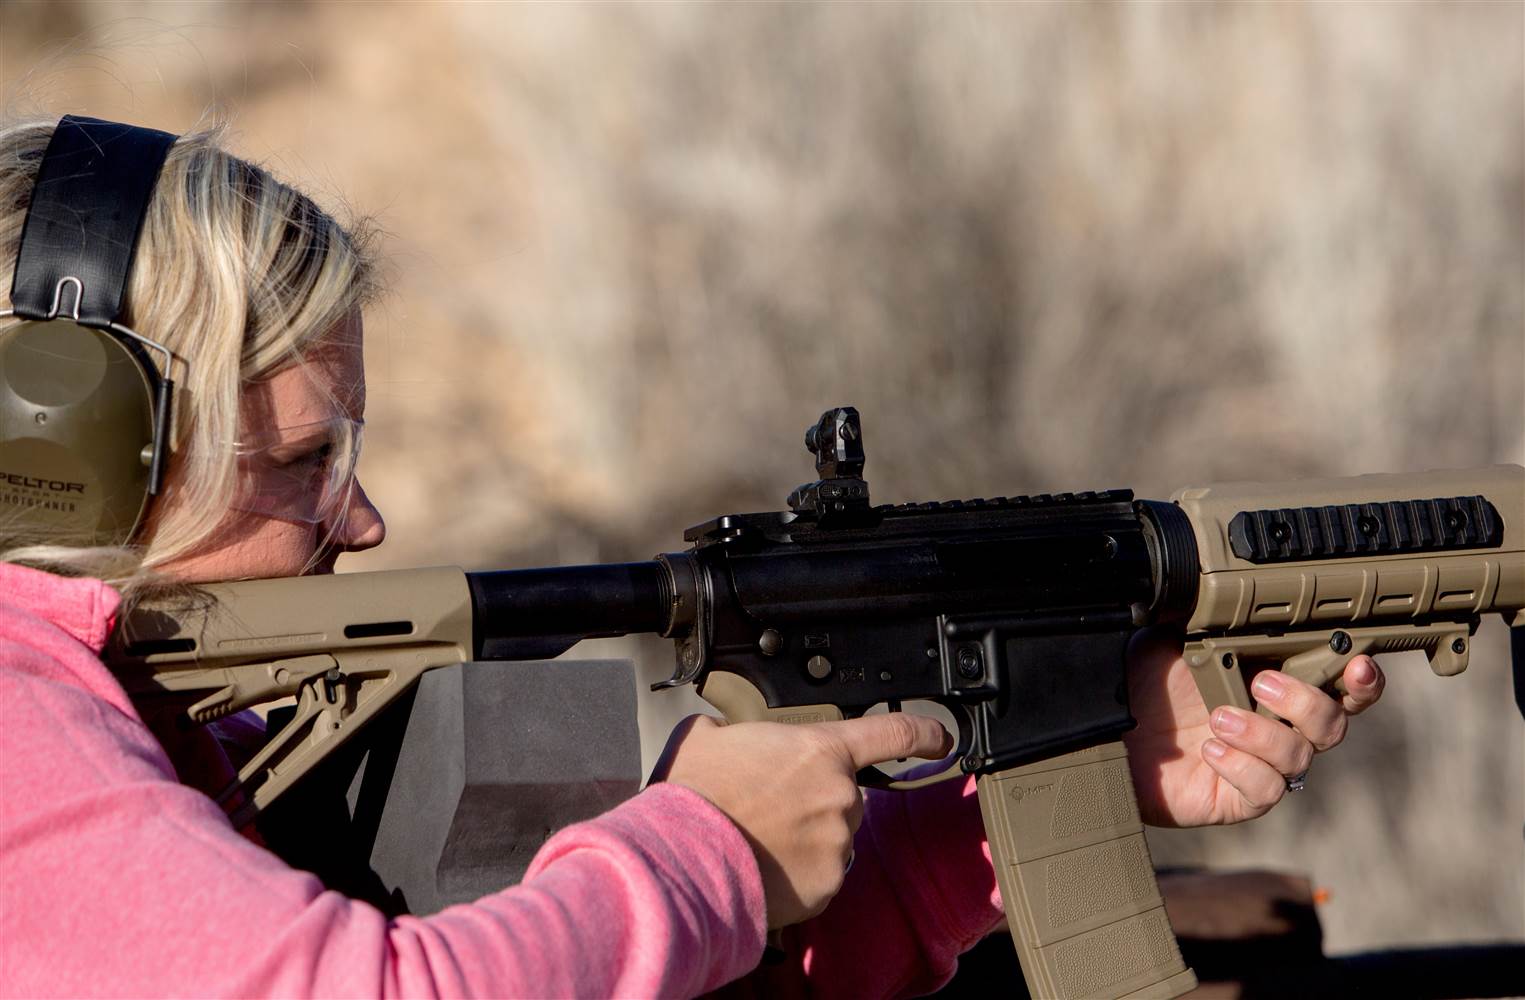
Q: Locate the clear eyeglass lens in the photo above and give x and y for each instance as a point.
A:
(302, 473)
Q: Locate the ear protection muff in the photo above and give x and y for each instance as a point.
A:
(84, 412)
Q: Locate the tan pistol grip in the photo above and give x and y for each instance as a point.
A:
(1078, 885)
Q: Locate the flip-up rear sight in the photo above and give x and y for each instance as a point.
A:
(836, 441)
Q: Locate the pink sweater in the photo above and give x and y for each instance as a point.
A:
(117, 879)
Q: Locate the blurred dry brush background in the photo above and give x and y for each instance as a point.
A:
(637, 248)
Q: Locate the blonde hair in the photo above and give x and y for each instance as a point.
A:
(237, 274)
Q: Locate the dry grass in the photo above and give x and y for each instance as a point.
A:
(1039, 247)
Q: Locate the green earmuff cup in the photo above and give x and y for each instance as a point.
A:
(76, 435)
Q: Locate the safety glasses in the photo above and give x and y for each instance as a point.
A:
(304, 473)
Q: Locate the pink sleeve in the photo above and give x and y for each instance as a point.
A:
(117, 880)
(921, 892)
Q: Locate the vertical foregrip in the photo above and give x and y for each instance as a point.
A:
(1081, 900)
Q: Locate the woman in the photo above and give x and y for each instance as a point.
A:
(119, 876)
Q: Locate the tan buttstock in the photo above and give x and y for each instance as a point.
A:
(1076, 879)
(344, 646)
(1311, 617)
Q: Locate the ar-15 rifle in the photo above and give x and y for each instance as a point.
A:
(1014, 613)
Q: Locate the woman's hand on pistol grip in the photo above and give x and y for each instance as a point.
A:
(792, 791)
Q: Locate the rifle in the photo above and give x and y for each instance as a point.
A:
(1014, 613)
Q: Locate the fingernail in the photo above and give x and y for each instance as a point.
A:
(1364, 672)
(1269, 685)
(1214, 749)
(1228, 722)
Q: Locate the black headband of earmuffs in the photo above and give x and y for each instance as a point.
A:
(88, 204)
(81, 231)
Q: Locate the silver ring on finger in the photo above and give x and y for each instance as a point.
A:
(1297, 782)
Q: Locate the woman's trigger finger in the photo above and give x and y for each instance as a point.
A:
(874, 739)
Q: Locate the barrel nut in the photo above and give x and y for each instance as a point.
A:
(818, 667)
(1340, 642)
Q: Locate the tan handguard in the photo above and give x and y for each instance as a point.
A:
(344, 646)
(1085, 913)
(1324, 570)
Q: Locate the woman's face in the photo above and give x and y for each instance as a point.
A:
(251, 545)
